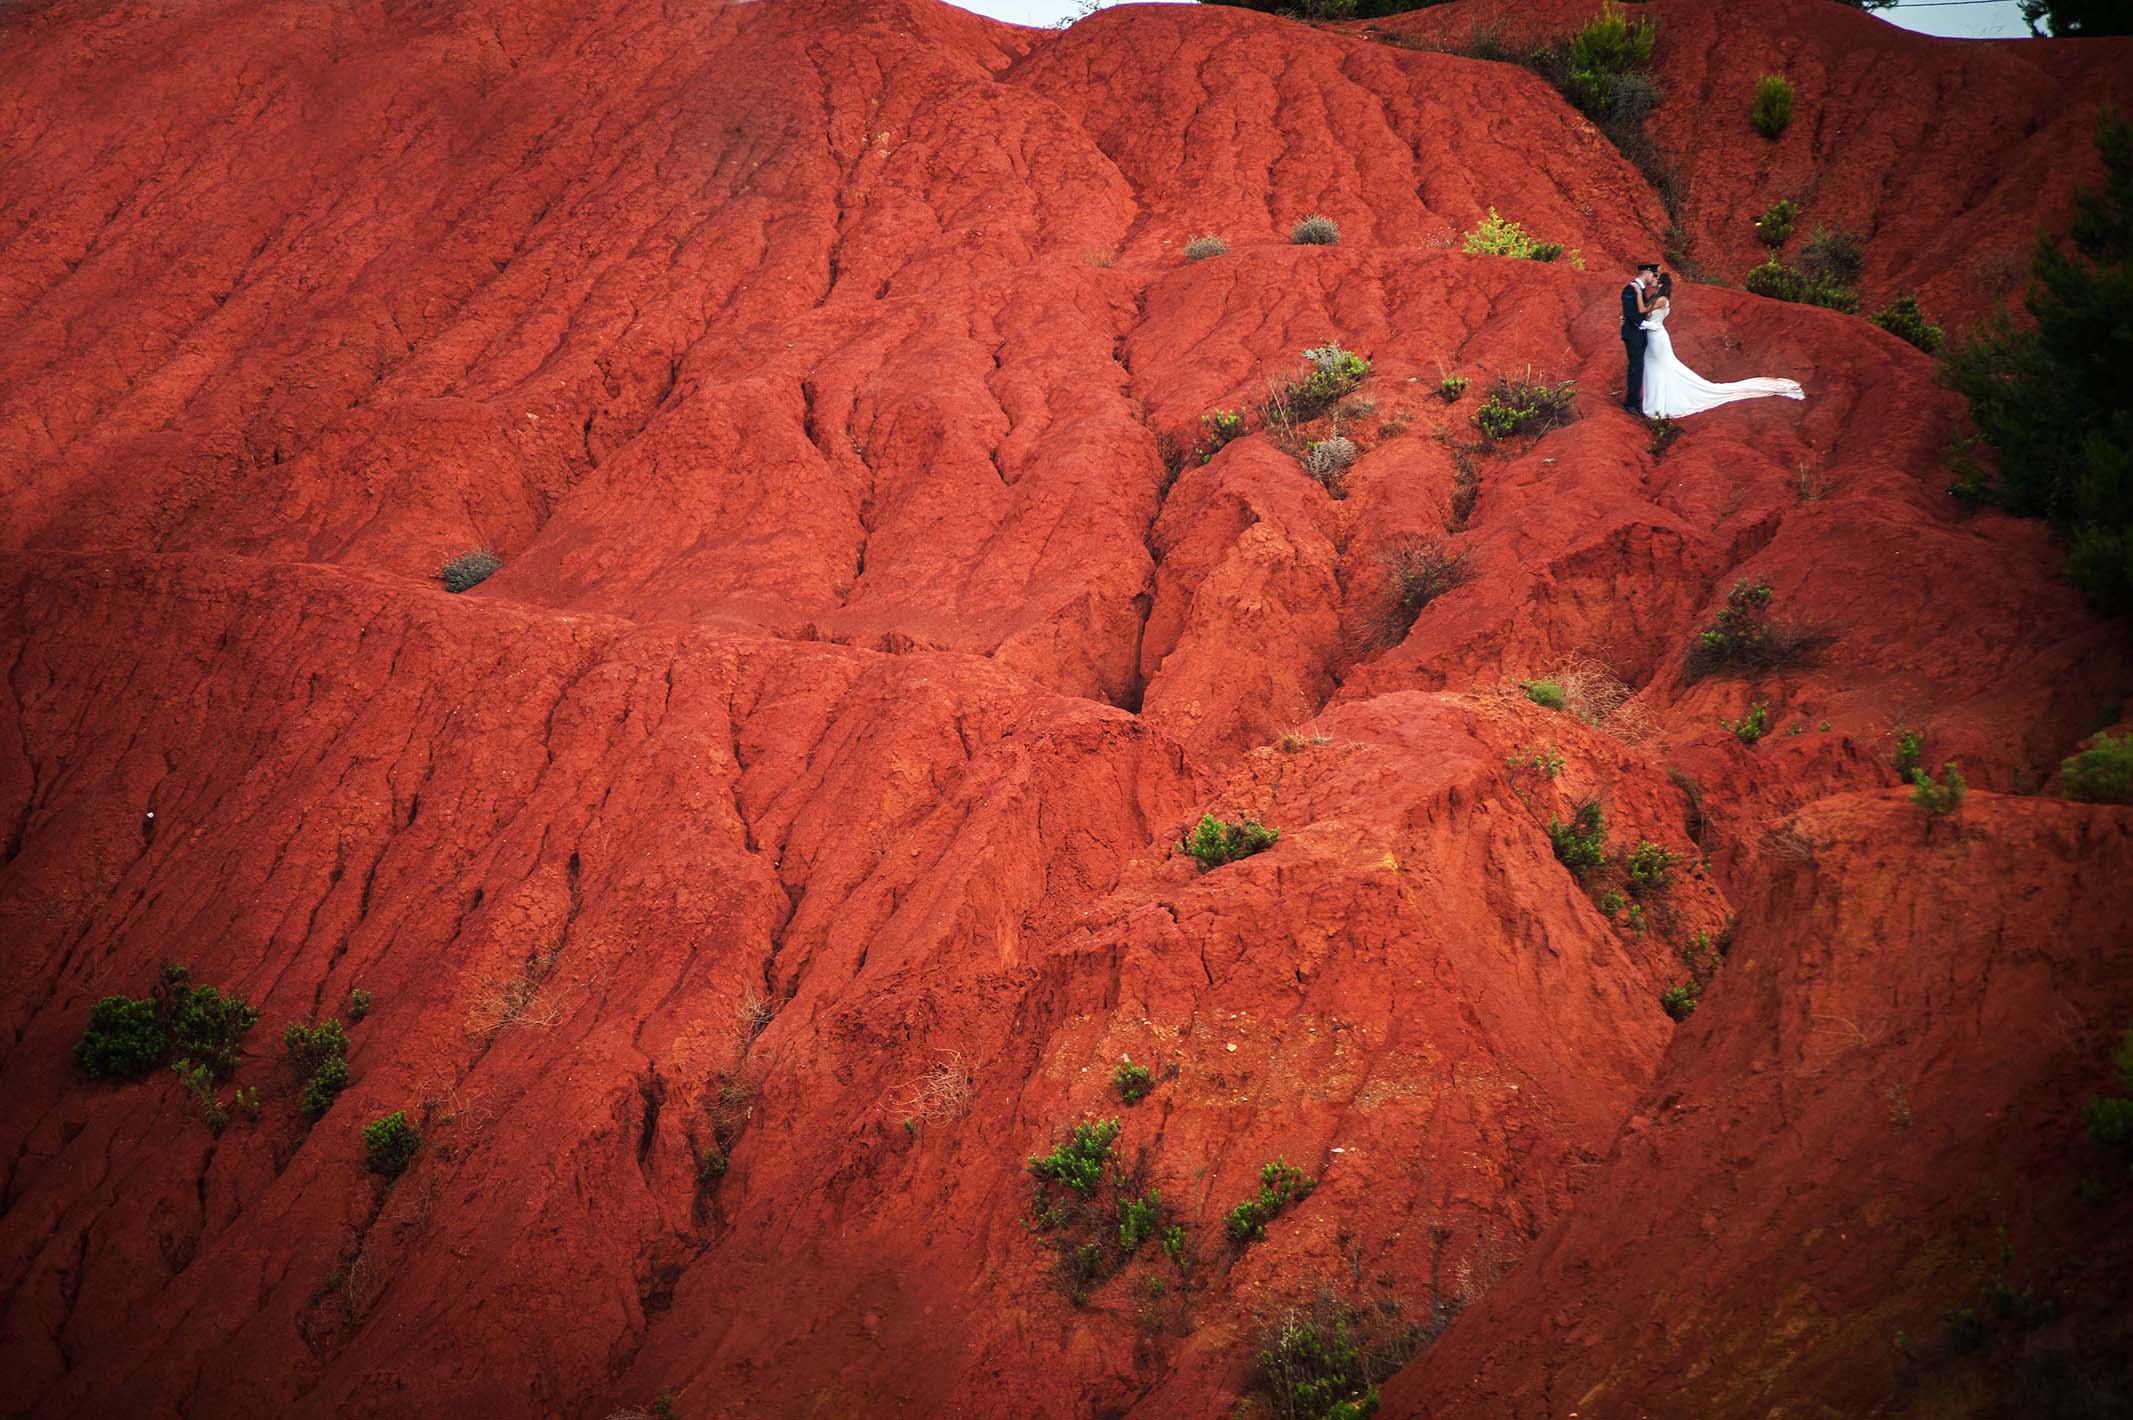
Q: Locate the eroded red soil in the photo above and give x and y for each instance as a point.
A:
(827, 377)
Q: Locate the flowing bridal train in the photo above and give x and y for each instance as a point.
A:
(1672, 389)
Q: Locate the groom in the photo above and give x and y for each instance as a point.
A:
(1633, 312)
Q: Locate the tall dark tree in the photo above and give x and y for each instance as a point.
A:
(2078, 19)
(2055, 399)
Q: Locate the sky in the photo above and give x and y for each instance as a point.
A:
(1991, 19)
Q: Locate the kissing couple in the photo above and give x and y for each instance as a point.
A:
(1660, 386)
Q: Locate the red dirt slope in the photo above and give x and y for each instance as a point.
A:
(1946, 156)
(779, 851)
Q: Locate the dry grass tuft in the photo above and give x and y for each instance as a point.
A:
(1600, 698)
(941, 1092)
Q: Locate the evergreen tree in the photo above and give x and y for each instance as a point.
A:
(2054, 400)
(2077, 19)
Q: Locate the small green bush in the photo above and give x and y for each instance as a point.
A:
(1315, 230)
(199, 1082)
(1079, 1162)
(2110, 1118)
(1139, 1219)
(358, 1004)
(1215, 842)
(1498, 236)
(1524, 405)
(1751, 727)
(1901, 318)
(1778, 282)
(1649, 866)
(124, 1040)
(1606, 57)
(1777, 222)
(1941, 797)
(1133, 1082)
(469, 569)
(320, 1054)
(1910, 745)
(1333, 376)
(207, 1027)
(1201, 248)
(1833, 258)
(1451, 387)
(1217, 428)
(1547, 694)
(1772, 113)
(1279, 1186)
(2102, 773)
(1744, 636)
(389, 1144)
(1581, 844)
(1680, 1001)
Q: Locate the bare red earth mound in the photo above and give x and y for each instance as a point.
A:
(779, 851)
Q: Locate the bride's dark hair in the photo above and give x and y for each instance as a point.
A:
(1666, 283)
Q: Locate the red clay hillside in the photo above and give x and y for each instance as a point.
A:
(778, 959)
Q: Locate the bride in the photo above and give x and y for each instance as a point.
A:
(1672, 389)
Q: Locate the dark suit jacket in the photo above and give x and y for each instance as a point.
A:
(1632, 316)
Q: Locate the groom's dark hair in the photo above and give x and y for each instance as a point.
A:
(1647, 266)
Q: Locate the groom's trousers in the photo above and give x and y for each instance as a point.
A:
(1633, 388)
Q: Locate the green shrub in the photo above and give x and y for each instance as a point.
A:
(1772, 113)
(1649, 866)
(320, 1053)
(2109, 1118)
(1608, 56)
(389, 1144)
(1744, 636)
(1315, 230)
(1451, 387)
(199, 1082)
(469, 569)
(2051, 396)
(1215, 841)
(1779, 282)
(2102, 773)
(1139, 1219)
(358, 1004)
(1777, 222)
(1079, 1162)
(323, 1087)
(1497, 236)
(1133, 1082)
(1217, 428)
(1581, 844)
(1910, 744)
(1751, 727)
(1833, 258)
(1941, 797)
(1680, 1001)
(1201, 248)
(1279, 1186)
(1901, 318)
(1543, 760)
(1547, 694)
(1525, 405)
(124, 1040)
(1333, 376)
(207, 1027)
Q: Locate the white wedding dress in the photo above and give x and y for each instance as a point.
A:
(1672, 389)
